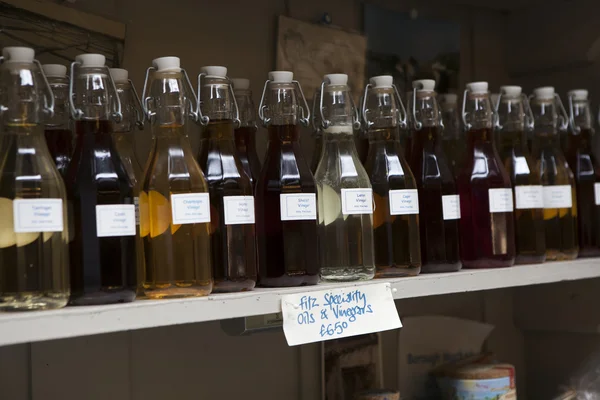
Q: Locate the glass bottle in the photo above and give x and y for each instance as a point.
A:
(233, 241)
(101, 195)
(286, 206)
(560, 205)
(514, 118)
(362, 141)
(584, 166)
(438, 195)
(59, 136)
(124, 142)
(317, 134)
(486, 200)
(245, 134)
(174, 204)
(396, 215)
(345, 196)
(453, 141)
(34, 263)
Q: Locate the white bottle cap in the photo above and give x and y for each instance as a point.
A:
(336, 79)
(544, 93)
(382, 81)
(165, 64)
(281, 76)
(240, 83)
(18, 54)
(119, 75)
(449, 98)
(578, 94)
(477, 87)
(91, 60)
(426, 85)
(214, 71)
(54, 70)
(511, 91)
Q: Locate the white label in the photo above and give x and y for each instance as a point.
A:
(597, 193)
(451, 206)
(501, 200)
(357, 201)
(529, 196)
(404, 201)
(558, 196)
(298, 206)
(115, 220)
(337, 313)
(136, 203)
(38, 215)
(190, 208)
(238, 210)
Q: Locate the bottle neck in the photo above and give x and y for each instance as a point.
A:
(129, 109)
(580, 115)
(216, 99)
(281, 104)
(62, 114)
(93, 93)
(545, 117)
(246, 107)
(219, 130)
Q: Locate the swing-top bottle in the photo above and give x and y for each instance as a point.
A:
(245, 133)
(317, 132)
(453, 140)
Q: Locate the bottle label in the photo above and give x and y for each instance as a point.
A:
(190, 208)
(501, 200)
(357, 201)
(451, 206)
(38, 215)
(597, 193)
(404, 201)
(136, 203)
(298, 206)
(238, 210)
(115, 220)
(529, 196)
(558, 196)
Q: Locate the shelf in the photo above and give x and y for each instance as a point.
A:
(80, 321)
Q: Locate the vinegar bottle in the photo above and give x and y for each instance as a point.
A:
(514, 119)
(232, 203)
(103, 261)
(345, 197)
(396, 214)
(486, 200)
(59, 136)
(245, 134)
(286, 205)
(174, 204)
(560, 205)
(438, 195)
(584, 165)
(453, 140)
(34, 260)
(317, 133)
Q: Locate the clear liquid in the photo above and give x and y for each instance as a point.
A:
(346, 246)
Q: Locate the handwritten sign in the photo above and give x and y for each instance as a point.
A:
(338, 312)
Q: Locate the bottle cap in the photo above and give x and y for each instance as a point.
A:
(544, 93)
(119, 75)
(240, 83)
(448, 98)
(55, 70)
(382, 81)
(336, 79)
(18, 54)
(165, 64)
(214, 71)
(511, 91)
(281, 76)
(91, 60)
(477, 87)
(426, 85)
(578, 94)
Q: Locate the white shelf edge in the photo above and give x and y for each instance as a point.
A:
(70, 322)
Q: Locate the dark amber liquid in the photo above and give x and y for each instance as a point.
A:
(454, 150)
(439, 237)
(487, 239)
(287, 250)
(245, 142)
(60, 144)
(530, 238)
(396, 237)
(584, 165)
(233, 247)
(362, 147)
(103, 269)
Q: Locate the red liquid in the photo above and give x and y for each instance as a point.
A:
(103, 269)
(487, 239)
(245, 142)
(60, 144)
(287, 250)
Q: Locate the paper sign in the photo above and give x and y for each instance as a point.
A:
(338, 312)
(38, 215)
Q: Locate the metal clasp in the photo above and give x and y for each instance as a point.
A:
(261, 106)
(528, 117)
(326, 123)
(76, 113)
(467, 126)
(205, 119)
(149, 114)
(574, 129)
(49, 101)
(304, 115)
(139, 111)
(564, 117)
(401, 110)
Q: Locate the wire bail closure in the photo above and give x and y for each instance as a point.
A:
(326, 123)
(205, 119)
(401, 110)
(528, 120)
(304, 115)
(467, 126)
(575, 129)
